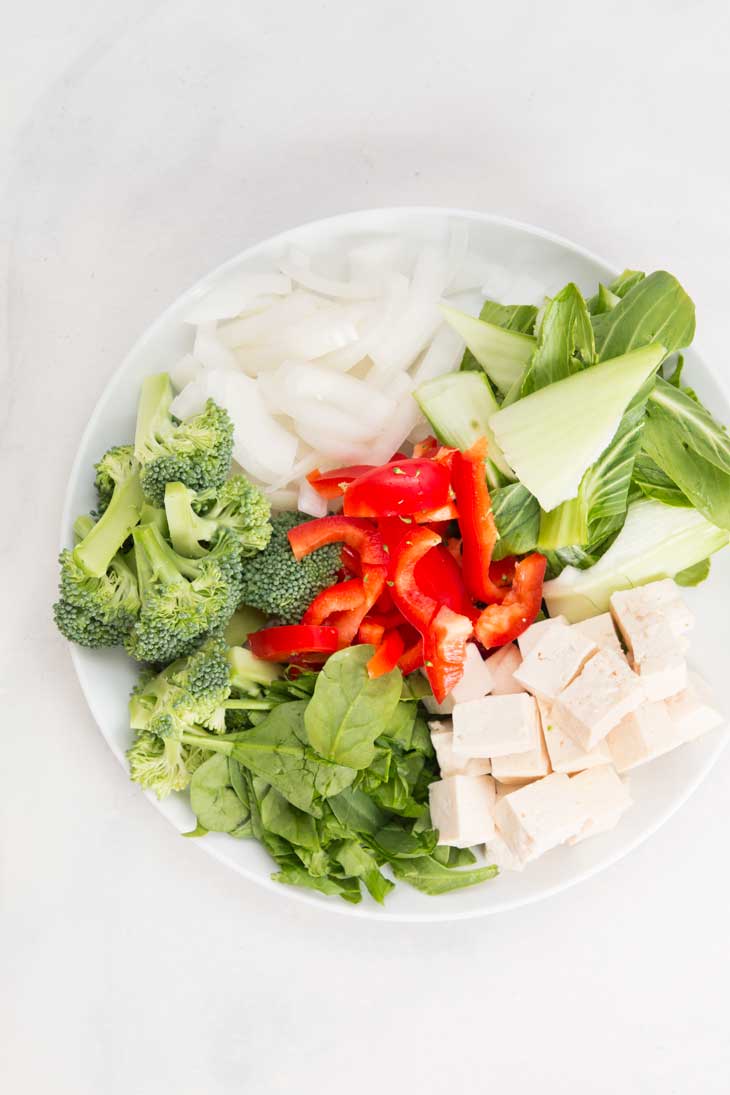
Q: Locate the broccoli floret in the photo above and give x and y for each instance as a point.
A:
(277, 584)
(195, 519)
(196, 452)
(190, 691)
(182, 600)
(162, 764)
(99, 598)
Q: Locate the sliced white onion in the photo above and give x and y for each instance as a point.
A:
(296, 383)
(192, 398)
(398, 427)
(442, 356)
(330, 422)
(376, 258)
(210, 351)
(284, 499)
(300, 470)
(184, 372)
(420, 319)
(237, 294)
(309, 501)
(297, 267)
(271, 322)
(339, 450)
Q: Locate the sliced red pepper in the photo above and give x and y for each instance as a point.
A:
(357, 534)
(284, 644)
(411, 658)
(446, 513)
(351, 561)
(370, 632)
(348, 622)
(500, 624)
(337, 598)
(445, 651)
(418, 607)
(387, 655)
(478, 530)
(402, 487)
(387, 620)
(439, 576)
(426, 448)
(333, 483)
(502, 572)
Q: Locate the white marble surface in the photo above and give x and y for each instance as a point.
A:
(144, 144)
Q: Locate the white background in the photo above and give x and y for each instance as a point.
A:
(145, 143)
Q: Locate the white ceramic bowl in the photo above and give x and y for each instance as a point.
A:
(526, 262)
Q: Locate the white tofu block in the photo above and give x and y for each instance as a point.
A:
(663, 672)
(645, 734)
(554, 661)
(634, 609)
(449, 764)
(462, 809)
(495, 726)
(604, 693)
(475, 683)
(502, 664)
(601, 630)
(527, 640)
(605, 797)
(693, 710)
(565, 755)
(497, 852)
(520, 766)
(540, 816)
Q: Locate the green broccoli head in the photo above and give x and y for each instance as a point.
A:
(162, 764)
(238, 506)
(189, 692)
(196, 452)
(277, 584)
(114, 466)
(76, 625)
(182, 600)
(112, 599)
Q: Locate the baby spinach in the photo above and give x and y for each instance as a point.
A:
(215, 803)
(431, 877)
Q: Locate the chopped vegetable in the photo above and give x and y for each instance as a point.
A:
(476, 520)
(403, 487)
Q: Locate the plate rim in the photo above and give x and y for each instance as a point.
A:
(365, 910)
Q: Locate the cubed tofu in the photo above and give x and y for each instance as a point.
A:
(495, 726)
(540, 816)
(693, 710)
(498, 853)
(507, 788)
(502, 665)
(462, 809)
(601, 630)
(654, 622)
(527, 640)
(554, 661)
(475, 683)
(604, 693)
(520, 766)
(643, 735)
(565, 755)
(605, 797)
(442, 738)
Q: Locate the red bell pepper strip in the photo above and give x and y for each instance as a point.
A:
(386, 620)
(359, 535)
(337, 598)
(502, 573)
(284, 644)
(348, 622)
(445, 650)
(418, 607)
(387, 655)
(478, 530)
(351, 561)
(445, 513)
(411, 658)
(426, 448)
(500, 624)
(370, 632)
(333, 483)
(402, 487)
(439, 576)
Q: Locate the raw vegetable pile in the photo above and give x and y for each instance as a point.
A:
(464, 478)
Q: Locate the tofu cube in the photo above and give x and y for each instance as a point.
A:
(507, 788)
(502, 665)
(495, 726)
(565, 755)
(497, 852)
(693, 710)
(462, 809)
(654, 622)
(442, 738)
(605, 797)
(554, 661)
(604, 693)
(521, 766)
(643, 735)
(540, 816)
(475, 683)
(527, 640)
(601, 630)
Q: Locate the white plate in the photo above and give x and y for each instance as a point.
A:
(523, 263)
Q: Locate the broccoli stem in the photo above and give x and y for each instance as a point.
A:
(155, 560)
(103, 541)
(83, 526)
(248, 705)
(153, 413)
(186, 527)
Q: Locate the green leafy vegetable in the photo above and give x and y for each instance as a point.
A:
(565, 343)
(692, 576)
(656, 484)
(517, 516)
(503, 354)
(215, 803)
(512, 317)
(656, 309)
(429, 876)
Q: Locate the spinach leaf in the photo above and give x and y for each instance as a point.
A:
(431, 877)
(517, 516)
(421, 738)
(349, 710)
(396, 842)
(692, 576)
(357, 862)
(357, 811)
(454, 857)
(565, 342)
(654, 483)
(399, 731)
(280, 817)
(655, 309)
(346, 888)
(214, 802)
